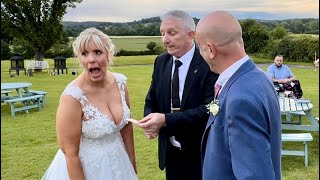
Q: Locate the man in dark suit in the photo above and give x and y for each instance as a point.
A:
(175, 106)
(242, 139)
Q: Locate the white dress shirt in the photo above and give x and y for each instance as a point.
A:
(183, 69)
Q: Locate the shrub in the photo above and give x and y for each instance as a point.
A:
(299, 48)
(123, 52)
(156, 50)
(5, 50)
(151, 45)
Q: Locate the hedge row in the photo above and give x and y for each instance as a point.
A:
(123, 52)
(298, 49)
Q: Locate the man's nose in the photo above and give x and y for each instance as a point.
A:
(165, 39)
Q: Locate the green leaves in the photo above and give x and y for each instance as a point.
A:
(36, 21)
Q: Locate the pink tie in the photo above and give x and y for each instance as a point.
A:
(216, 89)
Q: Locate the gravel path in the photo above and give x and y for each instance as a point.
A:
(290, 65)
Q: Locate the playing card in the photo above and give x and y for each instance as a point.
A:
(133, 121)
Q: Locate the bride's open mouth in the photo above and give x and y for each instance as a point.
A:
(95, 71)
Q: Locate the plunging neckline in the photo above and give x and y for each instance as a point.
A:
(100, 112)
(105, 115)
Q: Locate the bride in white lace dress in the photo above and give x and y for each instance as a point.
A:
(95, 138)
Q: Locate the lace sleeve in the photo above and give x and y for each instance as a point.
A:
(74, 91)
(120, 78)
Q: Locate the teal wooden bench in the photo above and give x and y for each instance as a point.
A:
(26, 103)
(43, 99)
(5, 95)
(299, 137)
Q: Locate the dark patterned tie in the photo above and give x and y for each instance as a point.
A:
(175, 85)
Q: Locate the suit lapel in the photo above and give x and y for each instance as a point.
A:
(205, 136)
(167, 83)
(163, 138)
(191, 75)
(210, 120)
(244, 68)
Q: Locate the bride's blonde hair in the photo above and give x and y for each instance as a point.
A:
(94, 38)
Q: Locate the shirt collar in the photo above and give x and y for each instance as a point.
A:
(187, 57)
(225, 75)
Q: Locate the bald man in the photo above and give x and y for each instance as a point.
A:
(242, 140)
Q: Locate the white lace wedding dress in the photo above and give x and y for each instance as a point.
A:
(102, 151)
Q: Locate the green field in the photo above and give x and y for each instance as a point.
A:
(28, 141)
(132, 43)
(135, 44)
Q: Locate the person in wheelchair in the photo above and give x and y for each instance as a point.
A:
(283, 79)
(279, 72)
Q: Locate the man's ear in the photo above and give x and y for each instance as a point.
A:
(213, 50)
(191, 35)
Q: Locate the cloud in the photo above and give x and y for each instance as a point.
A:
(128, 10)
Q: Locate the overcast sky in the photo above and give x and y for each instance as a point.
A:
(130, 10)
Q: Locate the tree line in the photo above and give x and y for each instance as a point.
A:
(151, 26)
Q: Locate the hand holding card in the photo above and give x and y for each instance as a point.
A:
(133, 121)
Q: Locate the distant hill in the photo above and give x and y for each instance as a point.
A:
(86, 24)
(150, 26)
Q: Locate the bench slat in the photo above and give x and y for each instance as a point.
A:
(292, 153)
(23, 98)
(6, 92)
(281, 104)
(297, 137)
(298, 113)
(293, 105)
(26, 107)
(38, 92)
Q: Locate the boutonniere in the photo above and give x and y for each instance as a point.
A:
(213, 107)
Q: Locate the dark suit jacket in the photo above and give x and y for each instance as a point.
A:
(188, 125)
(243, 141)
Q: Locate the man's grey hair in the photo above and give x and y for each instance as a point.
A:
(179, 15)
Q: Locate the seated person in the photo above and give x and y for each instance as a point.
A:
(279, 72)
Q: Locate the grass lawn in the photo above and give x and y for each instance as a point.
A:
(28, 141)
(135, 43)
